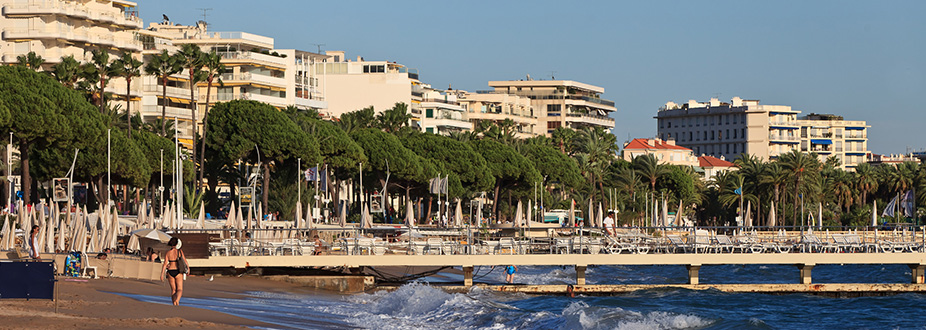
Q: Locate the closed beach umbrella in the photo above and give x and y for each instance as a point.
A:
(230, 217)
(342, 216)
(133, 243)
(748, 217)
(299, 214)
(409, 215)
(478, 214)
(771, 215)
(365, 217)
(572, 213)
(40, 236)
(63, 232)
(201, 222)
(458, 215)
(678, 215)
(874, 213)
(50, 236)
(5, 233)
(591, 212)
(820, 214)
(665, 213)
(309, 216)
(239, 218)
(113, 231)
(140, 215)
(518, 215)
(599, 221)
(250, 218)
(152, 234)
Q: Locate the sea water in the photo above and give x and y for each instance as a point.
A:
(422, 306)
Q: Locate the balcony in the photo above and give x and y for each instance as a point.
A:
(256, 78)
(254, 57)
(447, 122)
(784, 123)
(274, 100)
(311, 103)
(775, 137)
(590, 102)
(494, 116)
(594, 120)
(127, 19)
(856, 136)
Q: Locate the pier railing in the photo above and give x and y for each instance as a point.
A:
(385, 240)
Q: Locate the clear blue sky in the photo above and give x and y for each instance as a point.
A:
(863, 60)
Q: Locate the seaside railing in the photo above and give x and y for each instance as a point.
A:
(386, 240)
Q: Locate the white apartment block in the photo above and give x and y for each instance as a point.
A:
(831, 136)
(562, 103)
(442, 113)
(351, 85)
(498, 107)
(724, 130)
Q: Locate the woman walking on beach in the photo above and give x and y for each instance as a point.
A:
(171, 267)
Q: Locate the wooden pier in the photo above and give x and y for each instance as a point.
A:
(804, 262)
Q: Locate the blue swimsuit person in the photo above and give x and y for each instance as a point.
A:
(510, 270)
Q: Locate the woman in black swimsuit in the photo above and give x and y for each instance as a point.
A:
(174, 278)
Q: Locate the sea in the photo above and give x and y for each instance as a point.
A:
(421, 305)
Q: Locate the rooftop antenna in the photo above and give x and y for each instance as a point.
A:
(717, 95)
(552, 75)
(205, 10)
(319, 46)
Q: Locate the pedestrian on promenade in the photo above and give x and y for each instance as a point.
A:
(609, 224)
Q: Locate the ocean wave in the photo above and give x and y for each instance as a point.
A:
(579, 315)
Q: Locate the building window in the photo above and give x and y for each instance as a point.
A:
(668, 124)
(429, 129)
(553, 124)
(705, 135)
(374, 68)
(689, 136)
(728, 148)
(734, 133)
(743, 132)
(554, 107)
(728, 134)
(429, 113)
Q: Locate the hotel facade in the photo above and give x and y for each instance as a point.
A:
(725, 130)
(561, 103)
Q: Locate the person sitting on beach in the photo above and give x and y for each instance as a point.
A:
(171, 267)
(319, 245)
(101, 255)
(152, 256)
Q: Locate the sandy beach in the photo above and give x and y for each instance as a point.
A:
(90, 304)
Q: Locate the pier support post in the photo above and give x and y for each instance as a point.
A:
(805, 272)
(693, 273)
(580, 274)
(918, 271)
(467, 276)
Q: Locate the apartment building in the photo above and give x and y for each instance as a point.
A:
(561, 103)
(829, 135)
(722, 129)
(499, 107)
(725, 130)
(54, 29)
(442, 113)
(254, 70)
(355, 84)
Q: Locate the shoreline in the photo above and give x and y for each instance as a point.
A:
(99, 303)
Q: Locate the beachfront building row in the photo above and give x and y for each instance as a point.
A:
(667, 152)
(767, 131)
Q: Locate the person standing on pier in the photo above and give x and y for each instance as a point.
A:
(609, 224)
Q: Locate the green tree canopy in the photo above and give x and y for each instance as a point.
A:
(454, 158)
(511, 170)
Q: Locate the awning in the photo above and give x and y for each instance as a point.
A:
(179, 100)
(816, 141)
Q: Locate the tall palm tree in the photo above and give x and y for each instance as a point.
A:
(774, 176)
(394, 119)
(104, 70)
(866, 180)
(192, 59)
(213, 69)
(598, 146)
(163, 65)
(128, 67)
(67, 72)
(802, 168)
(31, 60)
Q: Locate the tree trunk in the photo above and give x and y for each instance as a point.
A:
(102, 92)
(128, 102)
(164, 106)
(430, 202)
(193, 109)
(202, 153)
(498, 187)
(797, 187)
(265, 188)
(26, 181)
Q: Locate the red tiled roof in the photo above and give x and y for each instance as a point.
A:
(709, 161)
(644, 144)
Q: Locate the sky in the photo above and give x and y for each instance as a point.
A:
(864, 60)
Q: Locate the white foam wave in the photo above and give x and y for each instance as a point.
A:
(580, 315)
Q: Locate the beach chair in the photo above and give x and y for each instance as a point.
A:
(292, 245)
(724, 244)
(675, 244)
(364, 244)
(507, 244)
(379, 247)
(435, 245)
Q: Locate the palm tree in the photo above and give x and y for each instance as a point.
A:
(104, 70)
(67, 72)
(128, 67)
(598, 146)
(562, 137)
(394, 119)
(866, 180)
(774, 176)
(802, 168)
(31, 60)
(163, 65)
(213, 68)
(192, 59)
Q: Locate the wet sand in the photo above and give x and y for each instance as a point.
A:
(90, 304)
